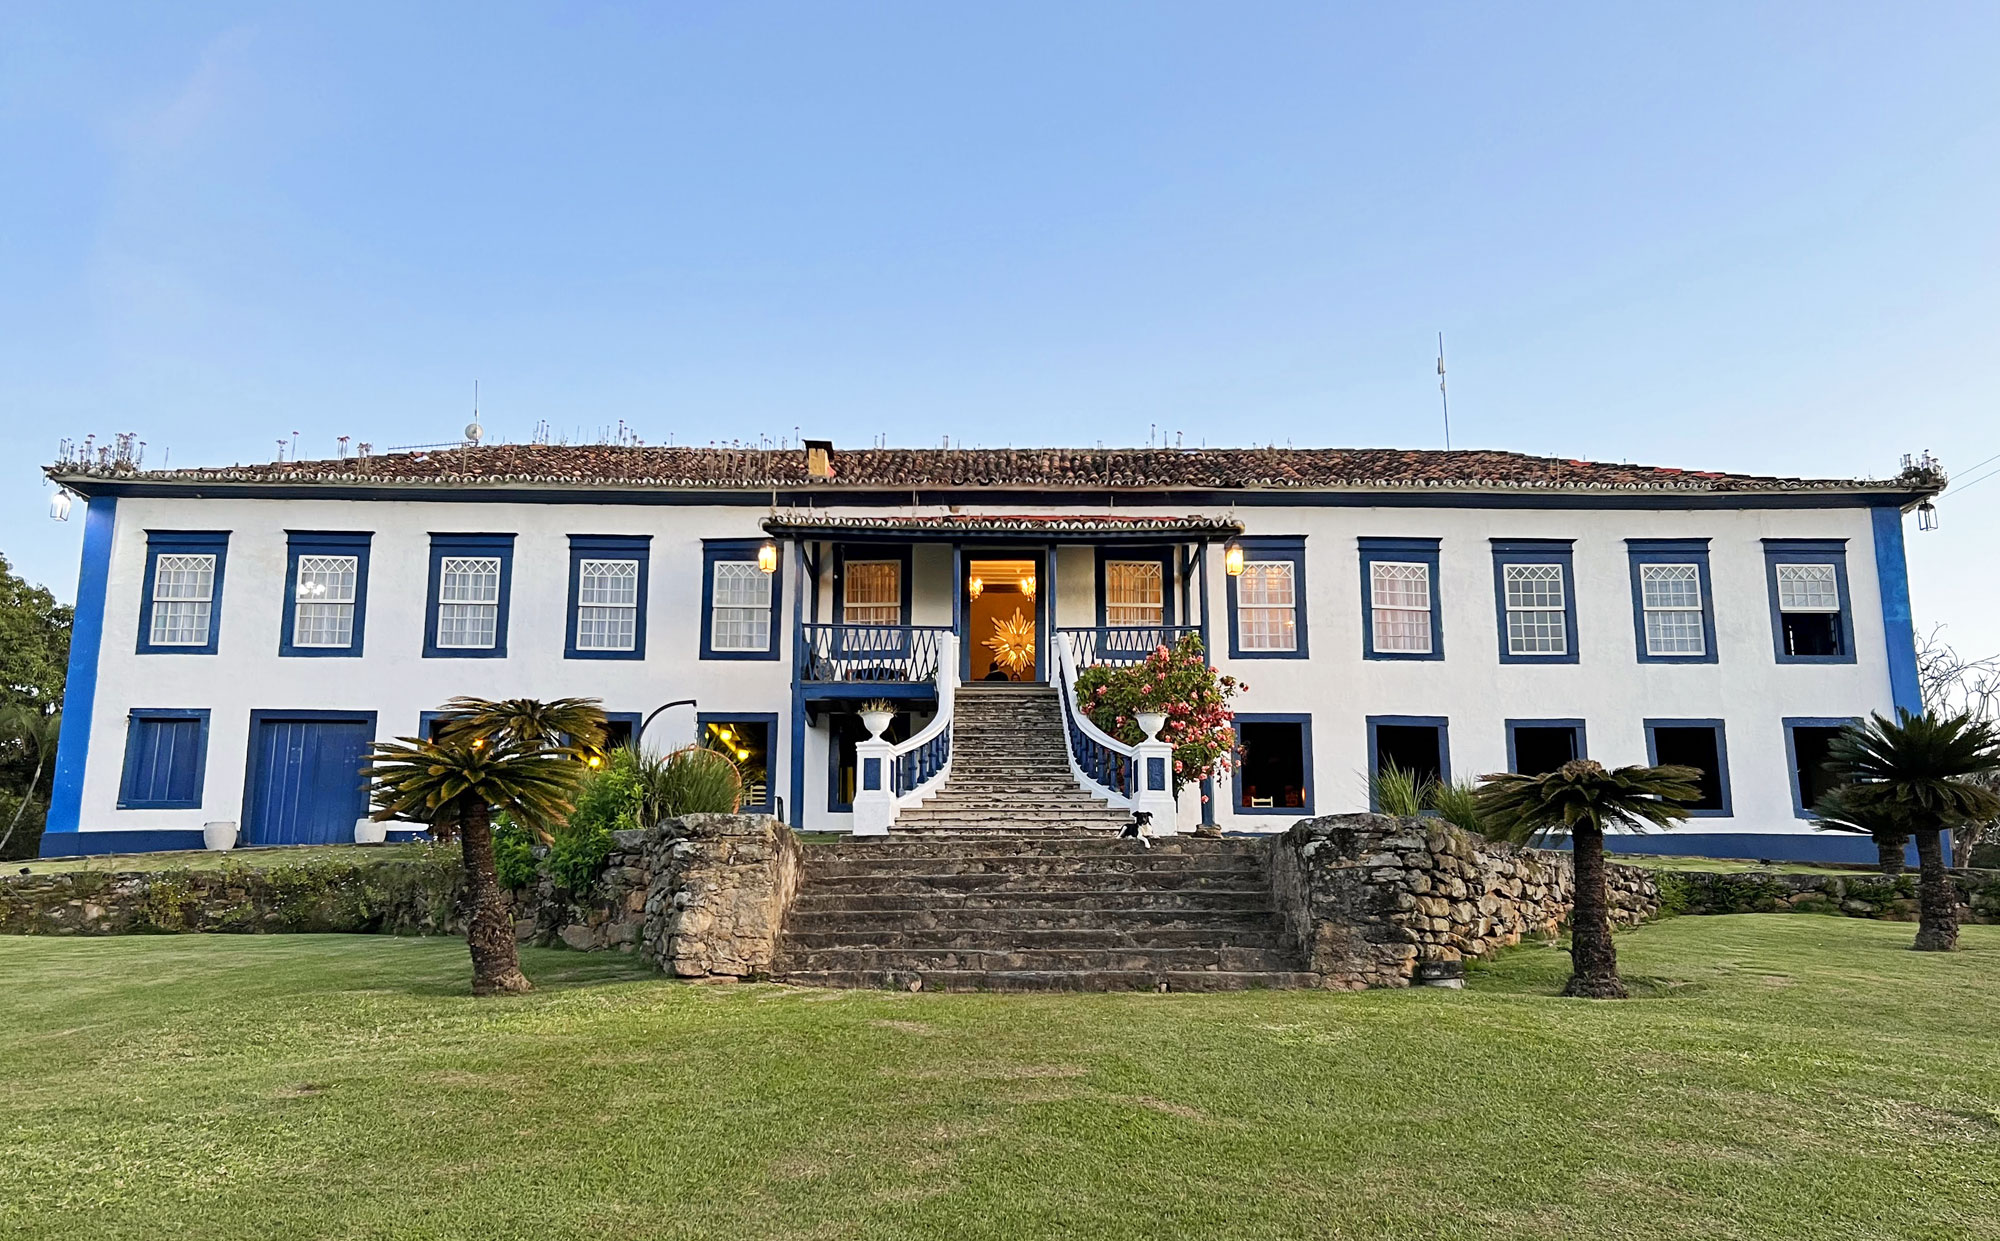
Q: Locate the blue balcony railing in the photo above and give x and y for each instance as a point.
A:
(1119, 644)
(916, 766)
(860, 654)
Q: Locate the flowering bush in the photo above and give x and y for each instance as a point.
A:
(1180, 684)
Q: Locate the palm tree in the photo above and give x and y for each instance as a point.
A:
(460, 780)
(571, 726)
(39, 733)
(1582, 800)
(1838, 812)
(1920, 769)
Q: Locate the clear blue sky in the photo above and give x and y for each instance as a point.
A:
(1716, 236)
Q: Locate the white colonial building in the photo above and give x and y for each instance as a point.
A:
(243, 634)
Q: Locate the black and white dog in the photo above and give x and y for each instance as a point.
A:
(1136, 829)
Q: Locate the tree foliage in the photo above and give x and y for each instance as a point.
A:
(1178, 683)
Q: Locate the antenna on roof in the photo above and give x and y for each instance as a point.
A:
(1444, 398)
(473, 431)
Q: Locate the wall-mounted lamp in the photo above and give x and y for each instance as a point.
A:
(59, 504)
(767, 557)
(1232, 559)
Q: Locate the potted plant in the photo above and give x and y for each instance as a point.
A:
(876, 714)
(1174, 695)
(1150, 722)
(219, 836)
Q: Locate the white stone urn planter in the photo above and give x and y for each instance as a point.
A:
(876, 720)
(219, 836)
(1151, 722)
(369, 832)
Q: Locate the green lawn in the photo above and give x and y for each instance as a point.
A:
(1780, 1077)
(1735, 866)
(203, 859)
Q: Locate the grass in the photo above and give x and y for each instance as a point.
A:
(1737, 866)
(203, 859)
(1793, 1077)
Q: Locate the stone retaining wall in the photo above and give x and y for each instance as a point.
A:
(1369, 898)
(1858, 895)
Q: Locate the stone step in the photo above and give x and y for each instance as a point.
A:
(1004, 939)
(1013, 920)
(1035, 960)
(1002, 843)
(1026, 864)
(1229, 900)
(1070, 881)
(1060, 980)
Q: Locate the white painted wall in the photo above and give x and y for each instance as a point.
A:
(1608, 688)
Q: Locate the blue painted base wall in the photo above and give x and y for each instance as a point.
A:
(151, 840)
(1817, 847)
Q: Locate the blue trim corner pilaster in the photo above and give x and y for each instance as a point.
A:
(80, 689)
(1899, 630)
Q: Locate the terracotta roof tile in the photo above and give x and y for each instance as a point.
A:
(1087, 469)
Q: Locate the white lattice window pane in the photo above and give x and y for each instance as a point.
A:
(872, 593)
(742, 616)
(1134, 592)
(1670, 585)
(323, 614)
(608, 583)
(1400, 607)
(470, 579)
(1532, 631)
(607, 629)
(1534, 585)
(1675, 633)
(183, 599)
(468, 625)
(1267, 629)
(1265, 584)
(1807, 588)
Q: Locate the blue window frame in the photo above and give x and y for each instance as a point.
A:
(622, 728)
(1400, 613)
(1535, 747)
(1134, 585)
(1416, 743)
(751, 739)
(472, 580)
(166, 759)
(1673, 605)
(1534, 597)
(869, 595)
(740, 619)
(326, 593)
(1812, 620)
(609, 575)
(1695, 743)
(1806, 739)
(1273, 772)
(1267, 604)
(180, 603)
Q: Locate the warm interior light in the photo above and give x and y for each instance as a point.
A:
(742, 756)
(723, 732)
(595, 761)
(1028, 587)
(478, 742)
(976, 587)
(1232, 558)
(767, 557)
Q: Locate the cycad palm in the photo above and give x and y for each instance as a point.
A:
(1838, 811)
(1582, 800)
(460, 780)
(1918, 769)
(560, 723)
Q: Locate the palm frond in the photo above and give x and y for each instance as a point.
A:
(1924, 768)
(575, 724)
(1844, 809)
(1583, 794)
(436, 782)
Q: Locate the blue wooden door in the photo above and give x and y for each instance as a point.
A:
(306, 786)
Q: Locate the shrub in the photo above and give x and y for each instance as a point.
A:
(1456, 803)
(513, 853)
(690, 780)
(610, 799)
(577, 857)
(1180, 684)
(1399, 792)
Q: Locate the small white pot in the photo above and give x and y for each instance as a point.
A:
(219, 836)
(1151, 722)
(876, 721)
(369, 832)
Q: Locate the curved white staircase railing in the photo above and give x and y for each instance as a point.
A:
(1134, 777)
(893, 776)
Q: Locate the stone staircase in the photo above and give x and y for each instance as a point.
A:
(1009, 770)
(1037, 911)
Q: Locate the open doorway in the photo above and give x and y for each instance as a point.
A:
(1003, 629)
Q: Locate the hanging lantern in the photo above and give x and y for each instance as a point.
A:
(767, 557)
(1232, 558)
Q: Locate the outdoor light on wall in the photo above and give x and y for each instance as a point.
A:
(1232, 558)
(59, 504)
(767, 557)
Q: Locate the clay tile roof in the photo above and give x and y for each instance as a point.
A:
(618, 467)
(809, 524)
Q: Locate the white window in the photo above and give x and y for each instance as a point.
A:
(1134, 593)
(1670, 596)
(469, 603)
(872, 593)
(1400, 607)
(1535, 621)
(1807, 588)
(183, 599)
(742, 617)
(1267, 608)
(607, 605)
(323, 601)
